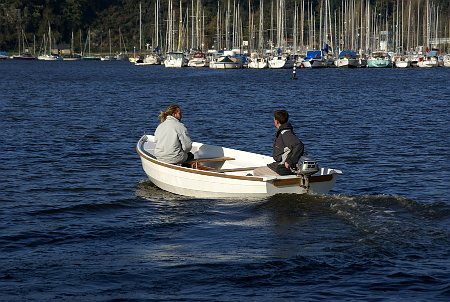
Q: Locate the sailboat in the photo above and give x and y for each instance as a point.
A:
(280, 57)
(429, 60)
(281, 61)
(228, 59)
(257, 61)
(347, 58)
(72, 56)
(110, 57)
(25, 55)
(175, 58)
(379, 59)
(89, 56)
(198, 59)
(48, 56)
(315, 59)
(122, 55)
(446, 60)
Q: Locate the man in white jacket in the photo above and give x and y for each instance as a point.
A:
(172, 138)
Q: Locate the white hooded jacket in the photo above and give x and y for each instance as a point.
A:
(172, 141)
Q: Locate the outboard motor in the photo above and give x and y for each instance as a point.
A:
(305, 168)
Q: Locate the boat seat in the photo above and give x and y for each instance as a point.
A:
(195, 163)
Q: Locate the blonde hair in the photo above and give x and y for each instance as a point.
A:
(169, 111)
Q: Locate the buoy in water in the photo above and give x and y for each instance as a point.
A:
(294, 75)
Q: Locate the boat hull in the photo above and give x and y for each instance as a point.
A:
(428, 63)
(257, 63)
(214, 184)
(347, 63)
(280, 62)
(379, 63)
(401, 64)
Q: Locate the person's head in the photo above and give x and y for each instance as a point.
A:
(173, 110)
(280, 117)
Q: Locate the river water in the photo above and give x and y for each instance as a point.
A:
(79, 220)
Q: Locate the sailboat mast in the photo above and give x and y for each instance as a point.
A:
(49, 39)
(140, 26)
(180, 28)
(261, 26)
(71, 45)
(156, 23)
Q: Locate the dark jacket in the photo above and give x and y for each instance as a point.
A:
(285, 137)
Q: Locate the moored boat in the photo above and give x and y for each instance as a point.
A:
(347, 59)
(198, 59)
(175, 59)
(23, 56)
(446, 60)
(218, 172)
(227, 60)
(72, 57)
(50, 57)
(379, 59)
(257, 62)
(401, 62)
(315, 59)
(429, 60)
(281, 61)
(149, 59)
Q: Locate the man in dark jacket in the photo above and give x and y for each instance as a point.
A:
(287, 147)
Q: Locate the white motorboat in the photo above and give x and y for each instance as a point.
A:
(218, 172)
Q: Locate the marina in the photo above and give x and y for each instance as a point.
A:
(304, 34)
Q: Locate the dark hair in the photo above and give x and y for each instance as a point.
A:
(169, 111)
(282, 116)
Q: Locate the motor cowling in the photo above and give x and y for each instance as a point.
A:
(307, 166)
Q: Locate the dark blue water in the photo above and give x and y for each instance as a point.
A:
(79, 220)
